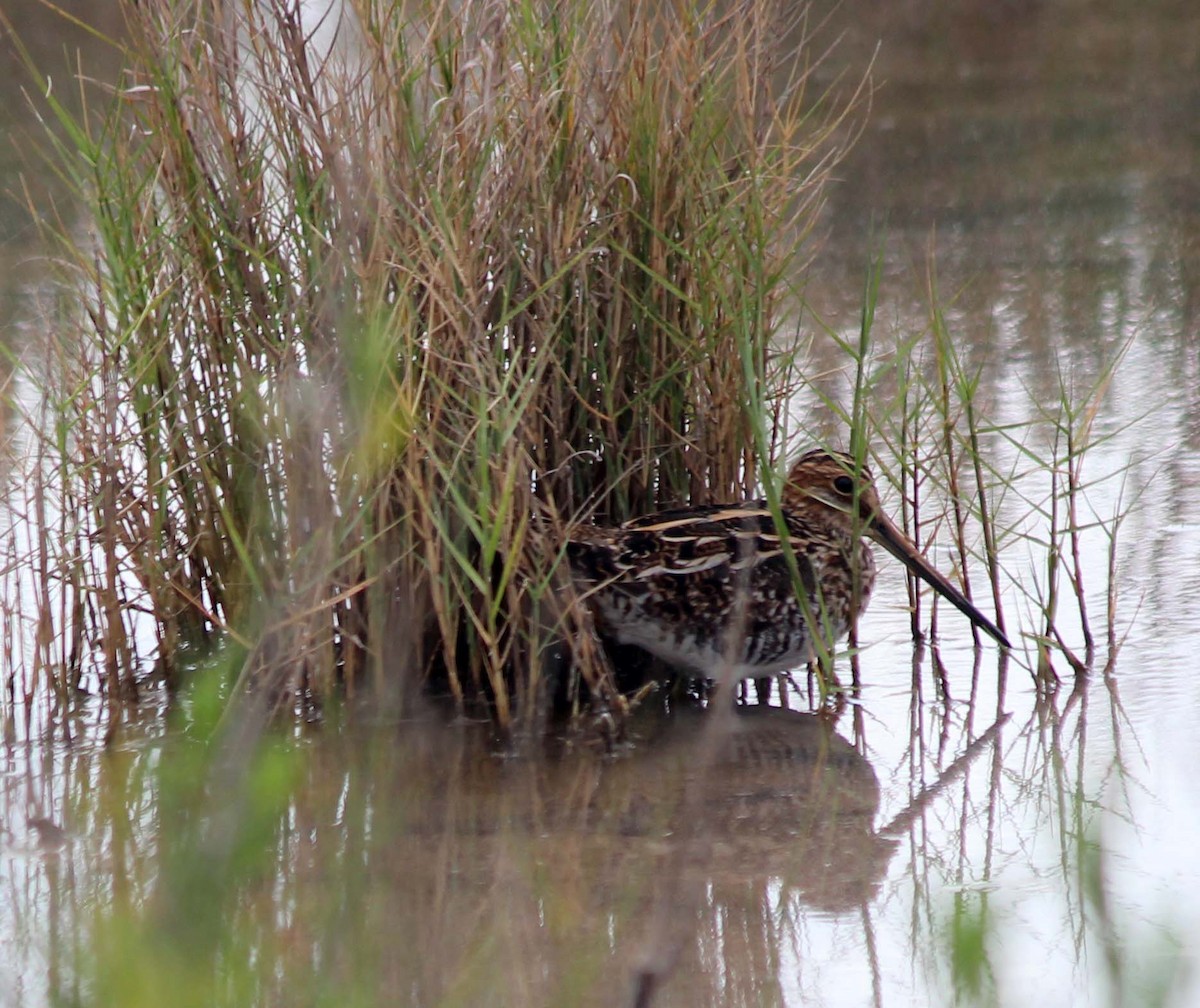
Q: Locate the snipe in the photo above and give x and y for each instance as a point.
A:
(670, 582)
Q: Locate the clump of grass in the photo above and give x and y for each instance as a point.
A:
(370, 309)
(1069, 423)
(988, 485)
(951, 443)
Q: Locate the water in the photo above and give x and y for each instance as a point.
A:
(1044, 158)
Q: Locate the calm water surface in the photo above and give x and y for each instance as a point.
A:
(1045, 158)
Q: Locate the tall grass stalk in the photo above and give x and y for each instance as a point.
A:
(369, 310)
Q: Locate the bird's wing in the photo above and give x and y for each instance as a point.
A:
(681, 543)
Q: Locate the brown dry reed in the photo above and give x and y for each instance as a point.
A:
(369, 309)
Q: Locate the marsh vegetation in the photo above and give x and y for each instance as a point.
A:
(371, 307)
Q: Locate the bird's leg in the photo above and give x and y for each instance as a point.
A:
(762, 689)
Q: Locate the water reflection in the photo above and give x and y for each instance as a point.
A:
(438, 862)
(1051, 175)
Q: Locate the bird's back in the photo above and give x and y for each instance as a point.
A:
(680, 583)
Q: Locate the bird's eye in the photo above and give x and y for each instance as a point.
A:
(844, 485)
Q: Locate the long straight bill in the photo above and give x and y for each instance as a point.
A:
(881, 529)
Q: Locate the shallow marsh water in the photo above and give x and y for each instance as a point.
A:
(1048, 155)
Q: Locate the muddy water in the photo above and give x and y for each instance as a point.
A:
(1044, 160)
